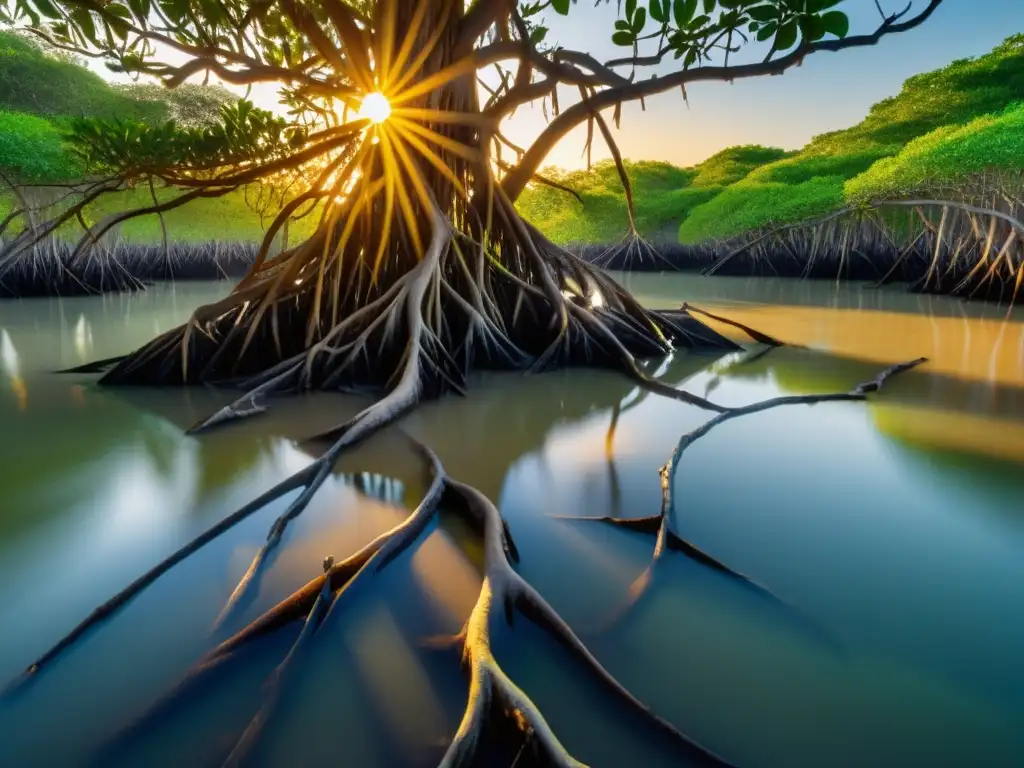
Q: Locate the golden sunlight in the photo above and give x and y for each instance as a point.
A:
(375, 108)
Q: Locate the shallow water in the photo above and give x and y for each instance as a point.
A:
(893, 531)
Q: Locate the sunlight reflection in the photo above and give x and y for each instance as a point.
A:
(145, 499)
(10, 363)
(446, 576)
(396, 680)
(83, 338)
(612, 561)
(979, 348)
(949, 430)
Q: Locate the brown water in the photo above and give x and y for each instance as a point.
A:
(894, 527)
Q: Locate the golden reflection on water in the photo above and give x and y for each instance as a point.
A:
(447, 577)
(968, 398)
(396, 681)
(952, 431)
(976, 348)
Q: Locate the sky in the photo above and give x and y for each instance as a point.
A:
(828, 92)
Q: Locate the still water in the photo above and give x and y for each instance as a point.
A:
(894, 528)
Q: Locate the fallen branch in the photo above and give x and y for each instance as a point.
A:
(756, 335)
(661, 525)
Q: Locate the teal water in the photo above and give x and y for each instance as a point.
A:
(893, 529)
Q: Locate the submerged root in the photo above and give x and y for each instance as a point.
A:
(490, 689)
(492, 694)
(662, 526)
(336, 581)
(275, 683)
(103, 612)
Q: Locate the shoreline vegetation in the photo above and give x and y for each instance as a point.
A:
(847, 248)
(925, 191)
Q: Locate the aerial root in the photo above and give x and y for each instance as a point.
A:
(753, 333)
(661, 525)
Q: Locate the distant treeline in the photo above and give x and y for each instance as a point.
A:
(120, 266)
(939, 133)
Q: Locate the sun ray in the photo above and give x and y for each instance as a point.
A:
(394, 72)
(389, 208)
(437, 80)
(453, 146)
(404, 204)
(425, 52)
(444, 117)
(435, 161)
(387, 38)
(412, 170)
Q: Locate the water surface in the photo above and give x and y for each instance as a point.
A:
(892, 529)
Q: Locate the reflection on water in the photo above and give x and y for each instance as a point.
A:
(976, 341)
(894, 525)
(9, 360)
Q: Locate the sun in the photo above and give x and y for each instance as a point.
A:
(375, 108)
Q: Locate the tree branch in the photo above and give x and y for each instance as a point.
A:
(514, 183)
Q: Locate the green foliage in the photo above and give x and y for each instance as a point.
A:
(189, 105)
(957, 93)
(661, 191)
(225, 219)
(33, 81)
(734, 163)
(32, 150)
(942, 126)
(132, 148)
(690, 30)
(947, 155)
(749, 205)
(806, 166)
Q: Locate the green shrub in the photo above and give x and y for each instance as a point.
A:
(661, 194)
(948, 154)
(32, 150)
(806, 166)
(751, 205)
(734, 164)
(957, 93)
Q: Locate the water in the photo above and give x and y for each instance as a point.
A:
(893, 530)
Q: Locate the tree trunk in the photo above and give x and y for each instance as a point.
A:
(424, 267)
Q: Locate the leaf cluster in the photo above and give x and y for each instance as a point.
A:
(133, 149)
(692, 29)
